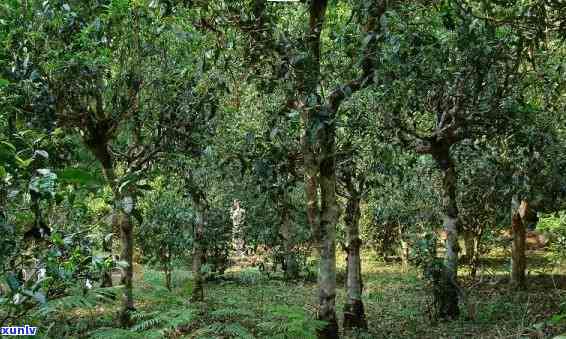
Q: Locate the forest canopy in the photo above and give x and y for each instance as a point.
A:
(283, 169)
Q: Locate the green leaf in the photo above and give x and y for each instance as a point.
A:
(23, 163)
(8, 146)
(57, 239)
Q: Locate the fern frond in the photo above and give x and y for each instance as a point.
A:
(230, 313)
(64, 304)
(164, 321)
(290, 322)
(235, 330)
(232, 330)
(179, 318)
(143, 315)
(146, 324)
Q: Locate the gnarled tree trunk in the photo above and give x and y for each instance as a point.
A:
(100, 150)
(328, 220)
(448, 300)
(323, 165)
(123, 207)
(311, 185)
(354, 315)
(319, 124)
(127, 238)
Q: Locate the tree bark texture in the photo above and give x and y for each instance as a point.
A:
(324, 165)
(100, 150)
(311, 188)
(328, 220)
(448, 303)
(127, 238)
(319, 124)
(120, 220)
(354, 315)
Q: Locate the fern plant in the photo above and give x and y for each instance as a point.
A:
(290, 322)
(163, 321)
(145, 321)
(230, 330)
(77, 300)
(227, 314)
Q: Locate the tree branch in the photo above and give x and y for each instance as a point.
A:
(336, 97)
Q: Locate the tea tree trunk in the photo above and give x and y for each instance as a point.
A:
(311, 186)
(475, 258)
(198, 249)
(167, 267)
(448, 300)
(328, 220)
(322, 164)
(121, 220)
(107, 247)
(518, 257)
(100, 151)
(404, 250)
(354, 315)
(319, 117)
(127, 238)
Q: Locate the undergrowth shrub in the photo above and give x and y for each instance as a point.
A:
(252, 276)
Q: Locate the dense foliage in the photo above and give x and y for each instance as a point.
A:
(182, 168)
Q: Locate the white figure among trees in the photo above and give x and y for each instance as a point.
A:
(237, 214)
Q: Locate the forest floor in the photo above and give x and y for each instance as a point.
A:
(248, 304)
